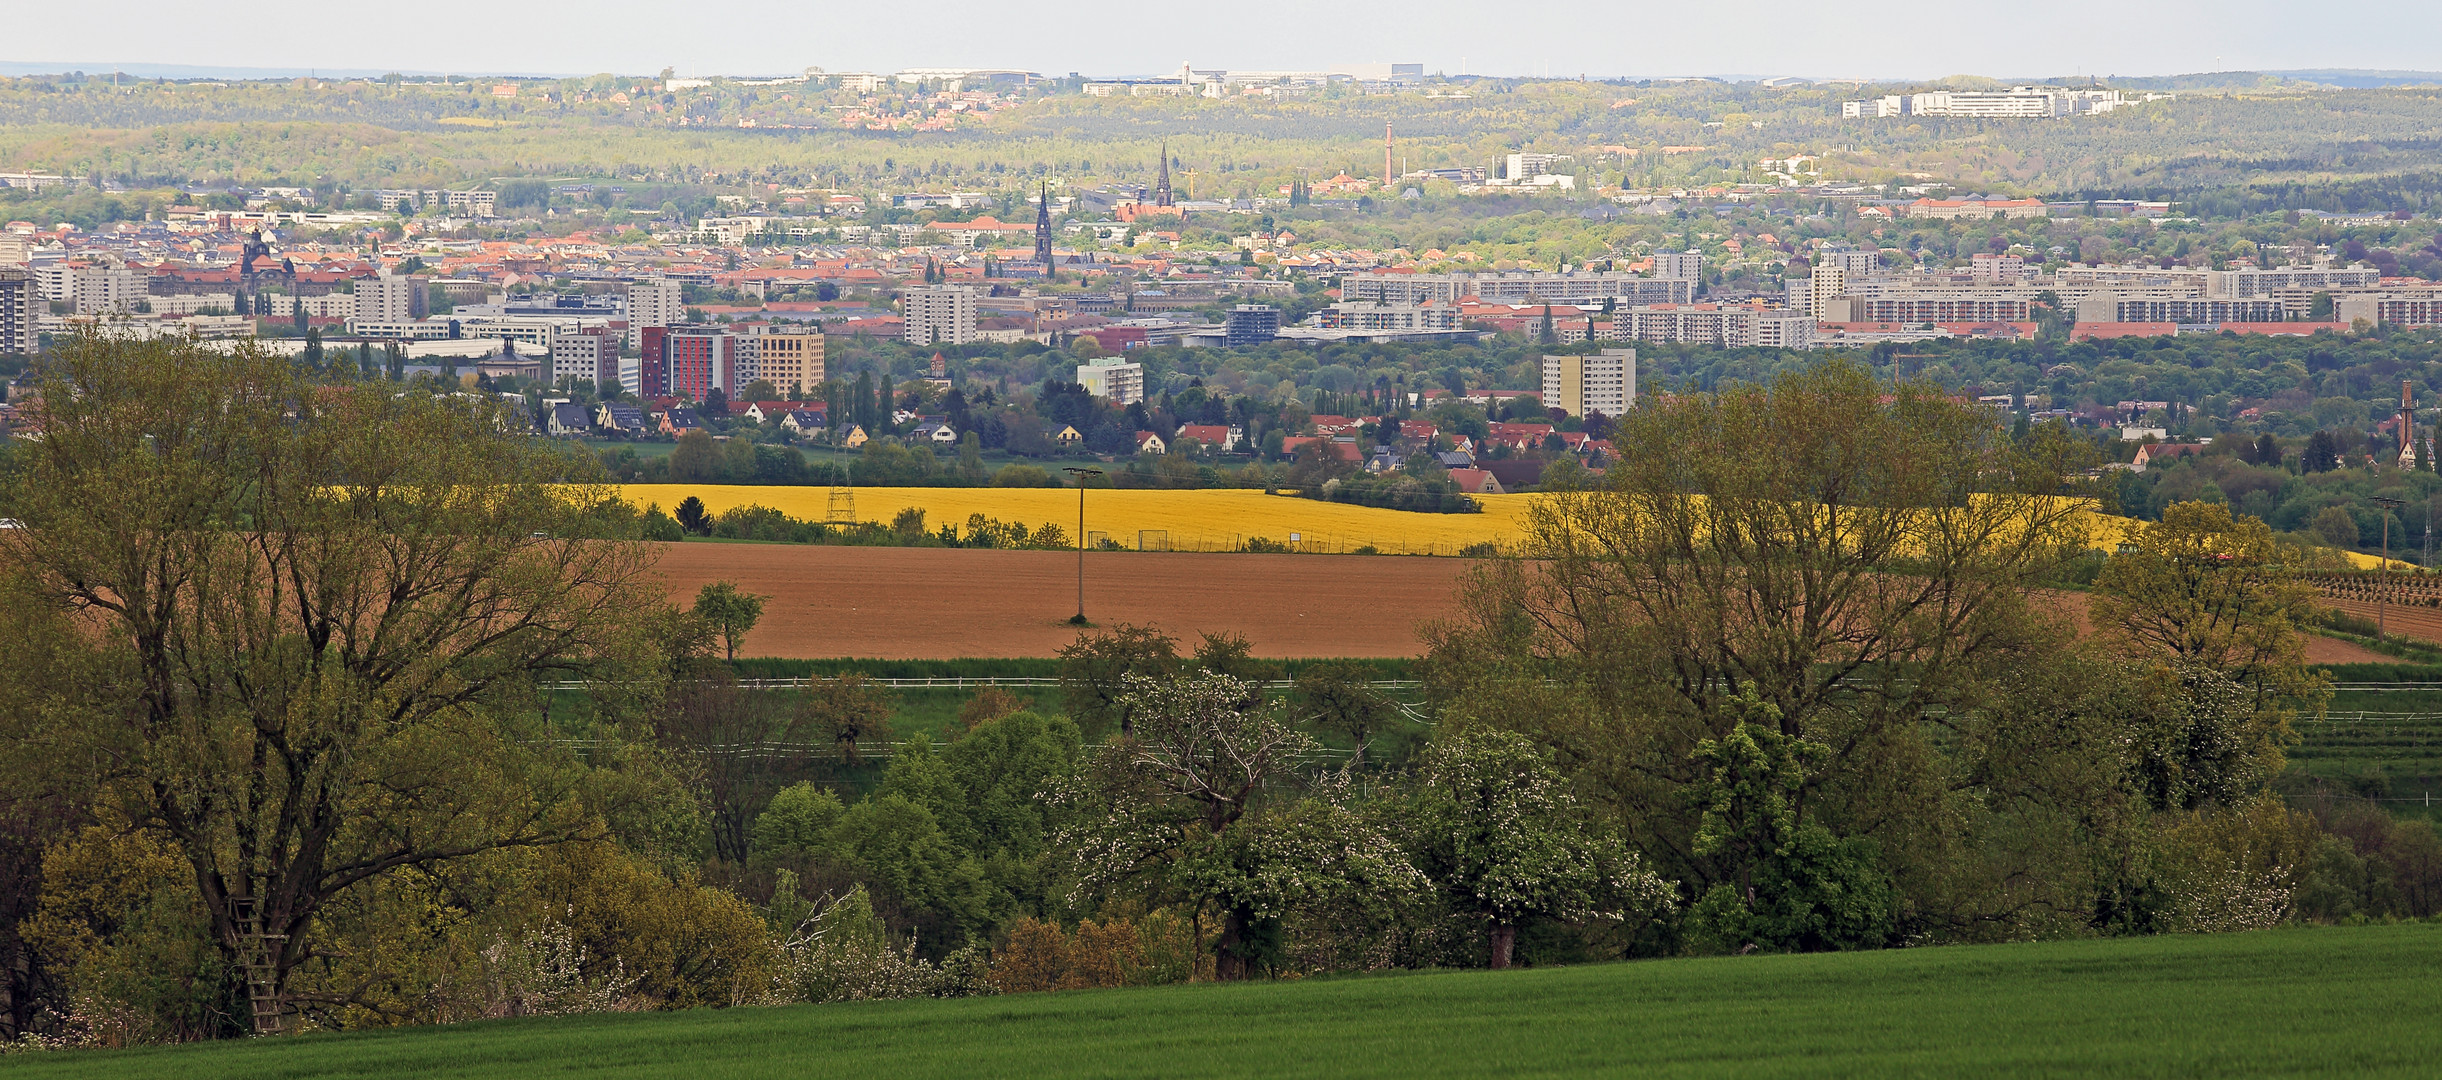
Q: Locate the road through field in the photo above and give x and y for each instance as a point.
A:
(942, 603)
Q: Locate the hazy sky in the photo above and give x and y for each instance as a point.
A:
(1558, 37)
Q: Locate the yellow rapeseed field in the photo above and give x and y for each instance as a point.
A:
(1198, 520)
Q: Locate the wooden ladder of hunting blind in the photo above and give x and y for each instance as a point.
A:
(258, 953)
(843, 507)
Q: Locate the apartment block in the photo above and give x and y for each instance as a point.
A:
(791, 360)
(939, 315)
(1829, 283)
(1679, 265)
(588, 353)
(1602, 384)
(1360, 315)
(1122, 383)
(1251, 324)
(1728, 326)
(391, 298)
(21, 307)
(1584, 289)
(1989, 268)
(653, 302)
(106, 290)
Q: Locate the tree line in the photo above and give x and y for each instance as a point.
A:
(315, 718)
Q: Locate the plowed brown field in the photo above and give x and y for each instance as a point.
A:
(939, 603)
(947, 603)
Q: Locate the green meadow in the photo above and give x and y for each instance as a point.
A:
(2355, 1001)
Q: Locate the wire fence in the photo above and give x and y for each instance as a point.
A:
(949, 683)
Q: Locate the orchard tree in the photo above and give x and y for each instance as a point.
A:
(1497, 830)
(1193, 807)
(1095, 668)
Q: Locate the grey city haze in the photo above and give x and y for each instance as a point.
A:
(1559, 39)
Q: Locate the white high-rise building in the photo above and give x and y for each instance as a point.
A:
(391, 298)
(1122, 383)
(106, 290)
(1990, 268)
(939, 315)
(1603, 384)
(1830, 283)
(653, 302)
(1679, 265)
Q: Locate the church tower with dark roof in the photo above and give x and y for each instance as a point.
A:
(1042, 230)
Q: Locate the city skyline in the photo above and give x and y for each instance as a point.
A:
(1598, 40)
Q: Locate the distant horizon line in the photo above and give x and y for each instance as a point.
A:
(148, 70)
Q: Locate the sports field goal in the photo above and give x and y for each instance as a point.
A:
(1152, 539)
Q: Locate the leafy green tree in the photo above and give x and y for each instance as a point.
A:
(2337, 527)
(1170, 808)
(696, 460)
(1783, 883)
(730, 611)
(2214, 603)
(328, 607)
(1497, 830)
(1095, 669)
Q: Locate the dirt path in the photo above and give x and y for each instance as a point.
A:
(936, 603)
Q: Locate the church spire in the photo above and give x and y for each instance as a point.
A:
(1161, 186)
(1042, 231)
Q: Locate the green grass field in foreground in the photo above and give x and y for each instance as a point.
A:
(2357, 1002)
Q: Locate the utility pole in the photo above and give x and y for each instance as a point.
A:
(2382, 589)
(1080, 474)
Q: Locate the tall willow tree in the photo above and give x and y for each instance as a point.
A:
(323, 609)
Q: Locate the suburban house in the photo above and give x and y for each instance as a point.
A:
(802, 421)
(2150, 453)
(938, 432)
(1148, 442)
(620, 417)
(854, 438)
(1344, 449)
(1067, 436)
(680, 421)
(1476, 482)
(762, 411)
(1456, 459)
(1211, 436)
(566, 421)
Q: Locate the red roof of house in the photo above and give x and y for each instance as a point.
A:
(2105, 331)
(2284, 329)
(1476, 481)
(1208, 434)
